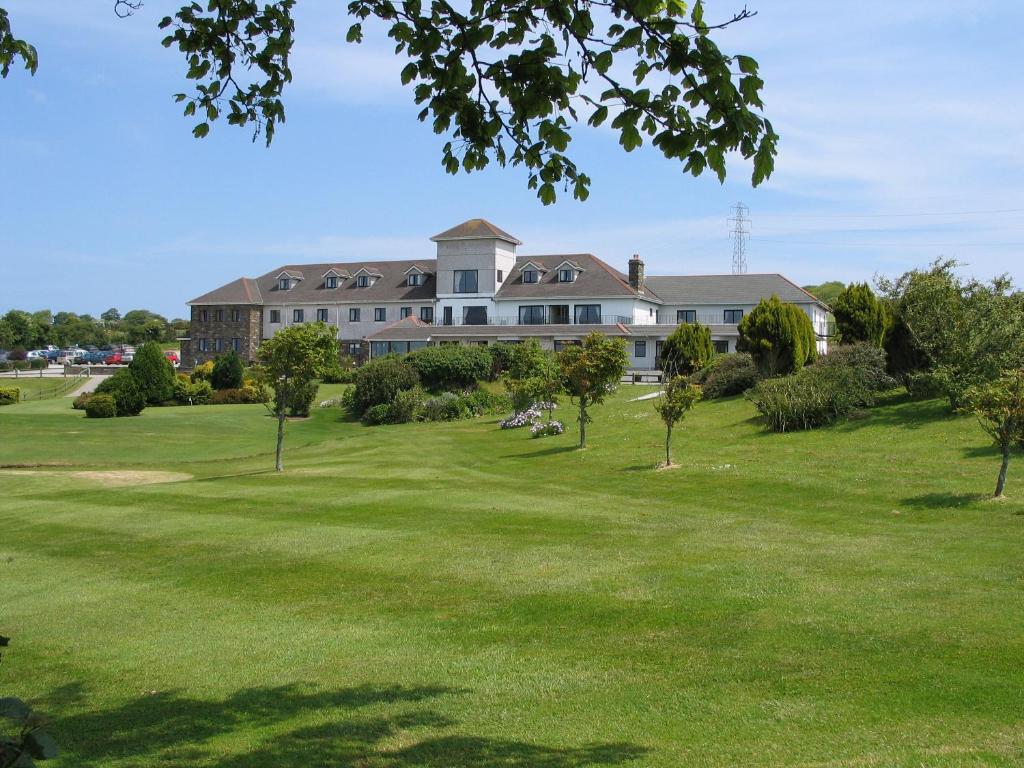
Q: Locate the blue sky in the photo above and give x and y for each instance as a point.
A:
(902, 140)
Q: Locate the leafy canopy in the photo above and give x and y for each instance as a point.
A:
(999, 406)
(779, 336)
(590, 372)
(506, 80)
(860, 316)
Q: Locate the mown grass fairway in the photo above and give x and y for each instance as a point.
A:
(455, 595)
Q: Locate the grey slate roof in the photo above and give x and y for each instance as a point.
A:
(475, 229)
(244, 290)
(727, 289)
(390, 286)
(419, 331)
(597, 279)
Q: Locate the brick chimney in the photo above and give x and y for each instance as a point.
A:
(636, 273)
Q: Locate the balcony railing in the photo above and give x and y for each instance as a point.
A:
(704, 318)
(511, 321)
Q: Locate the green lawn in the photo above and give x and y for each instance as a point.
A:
(41, 387)
(455, 595)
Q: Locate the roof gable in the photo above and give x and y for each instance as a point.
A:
(476, 229)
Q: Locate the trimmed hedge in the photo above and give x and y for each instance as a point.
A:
(451, 366)
(101, 406)
(9, 395)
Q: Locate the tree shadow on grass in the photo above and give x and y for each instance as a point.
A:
(943, 500)
(175, 731)
(552, 451)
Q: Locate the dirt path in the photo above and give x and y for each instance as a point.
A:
(89, 386)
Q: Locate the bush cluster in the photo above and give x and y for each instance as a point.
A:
(228, 372)
(81, 401)
(100, 406)
(9, 395)
(129, 398)
(726, 375)
(451, 366)
(341, 371)
(377, 383)
(189, 392)
(14, 365)
(38, 363)
(247, 394)
(828, 391)
(416, 405)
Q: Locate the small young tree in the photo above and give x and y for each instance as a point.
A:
(590, 372)
(289, 361)
(778, 336)
(675, 401)
(532, 375)
(999, 406)
(687, 349)
(153, 373)
(860, 316)
(228, 371)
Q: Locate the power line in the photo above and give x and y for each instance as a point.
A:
(844, 243)
(891, 215)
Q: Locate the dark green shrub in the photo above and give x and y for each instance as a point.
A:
(340, 371)
(20, 365)
(816, 396)
(779, 336)
(867, 362)
(228, 371)
(860, 316)
(17, 354)
(446, 407)
(925, 385)
(101, 406)
(501, 356)
(480, 402)
(6, 365)
(300, 398)
(153, 374)
(9, 395)
(380, 380)
(187, 392)
(687, 349)
(127, 395)
(407, 406)
(726, 375)
(378, 414)
(451, 366)
(81, 401)
(38, 363)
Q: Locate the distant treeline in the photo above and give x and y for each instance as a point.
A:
(32, 330)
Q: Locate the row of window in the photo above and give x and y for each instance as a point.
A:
(219, 345)
(558, 314)
(729, 316)
(355, 314)
(218, 315)
(640, 347)
(362, 281)
(564, 276)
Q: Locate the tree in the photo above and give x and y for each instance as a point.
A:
(111, 316)
(228, 371)
(828, 292)
(860, 316)
(687, 349)
(999, 406)
(778, 336)
(505, 79)
(532, 376)
(289, 361)
(590, 371)
(967, 331)
(153, 373)
(678, 397)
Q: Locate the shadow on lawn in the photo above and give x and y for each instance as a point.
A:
(942, 500)
(176, 731)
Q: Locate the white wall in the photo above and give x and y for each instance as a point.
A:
(337, 316)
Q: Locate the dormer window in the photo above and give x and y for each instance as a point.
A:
(415, 278)
(566, 275)
(331, 281)
(363, 281)
(530, 275)
(283, 284)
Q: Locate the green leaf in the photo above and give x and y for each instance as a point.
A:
(201, 130)
(599, 116)
(747, 65)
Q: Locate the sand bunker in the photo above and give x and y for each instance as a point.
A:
(114, 477)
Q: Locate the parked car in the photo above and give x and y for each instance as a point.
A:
(32, 354)
(171, 355)
(69, 355)
(91, 358)
(114, 358)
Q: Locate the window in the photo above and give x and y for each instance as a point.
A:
(721, 346)
(733, 315)
(474, 315)
(465, 281)
(588, 314)
(566, 275)
(558, 314)
(378, 348)
(531, 315)
(561, 344)
(204, 315)
(416, 278)
(275, 315)
(363, 281)
(529, 275)
(447, 316)
(686, 316)
(218, 344)
(427, 314)
(380, 314)
(298, 315)
(283, 284)
(331, 282)
(353, 314)
(639, 349)
(501, 275)
(236, 344)
(236, 315)
(404, 312)
(321, 315)
(204, 345)
(218, 315)
(354, 348)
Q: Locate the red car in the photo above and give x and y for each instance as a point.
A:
(114, 358)
(172, 356)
